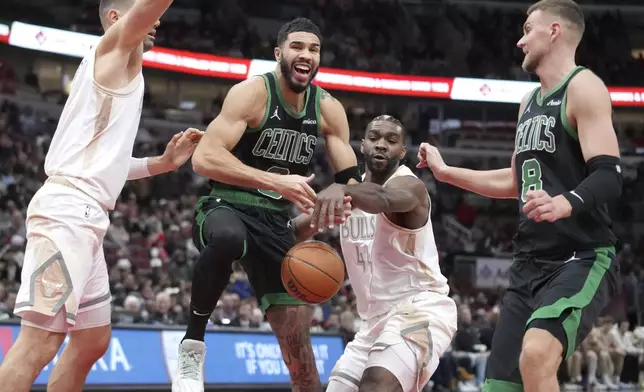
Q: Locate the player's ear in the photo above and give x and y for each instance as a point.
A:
(278, 53)
(403, 153)
(555, 30)
(362, 147)
(113, 15)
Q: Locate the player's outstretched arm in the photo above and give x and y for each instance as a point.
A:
(302, 223)
(129, 31)
(497, 184)
(335, 128)
(400, 195)
(176, 153)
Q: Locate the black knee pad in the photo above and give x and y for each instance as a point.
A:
(224, 232)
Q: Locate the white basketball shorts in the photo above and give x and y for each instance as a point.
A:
(408, 341)
(64, 273)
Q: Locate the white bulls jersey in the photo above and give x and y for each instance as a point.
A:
(93, 143)
(387, 263)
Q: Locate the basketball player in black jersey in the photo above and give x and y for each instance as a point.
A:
(565, 168)
(257, 153)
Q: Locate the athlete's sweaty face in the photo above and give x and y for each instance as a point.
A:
(299, 59)
(539, 33)
(383, 146)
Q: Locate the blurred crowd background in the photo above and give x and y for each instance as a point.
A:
(148, 246)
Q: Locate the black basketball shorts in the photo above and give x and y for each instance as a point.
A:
(269, 236)
(564, 297)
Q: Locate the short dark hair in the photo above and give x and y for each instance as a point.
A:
(105, 5)
(390, 119)
(297, 25)
(566, 9)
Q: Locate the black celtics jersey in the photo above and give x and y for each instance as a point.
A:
(549, 157)
(284, 142)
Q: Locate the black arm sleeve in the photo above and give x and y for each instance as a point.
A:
(603, 184)
(345, 175)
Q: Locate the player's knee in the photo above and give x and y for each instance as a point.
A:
(379, 379)
(88, 345)
(37, 347)
(226, 234)
(541, 352)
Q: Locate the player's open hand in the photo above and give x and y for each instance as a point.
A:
(541, 207)
(296, 189)
(181, 147)
(429, 156)
(329, 204)
(338, 219)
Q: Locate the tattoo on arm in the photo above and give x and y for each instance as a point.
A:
(325, 95)
(291, 326)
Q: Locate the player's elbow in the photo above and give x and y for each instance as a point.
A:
(202, 163)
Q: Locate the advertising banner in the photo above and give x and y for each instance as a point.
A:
(149, 357)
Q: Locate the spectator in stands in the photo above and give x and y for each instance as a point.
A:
(574, 366)
(163, 313)
(634, 350)
(347, 326)
(600, 365)
(132, 311)
(613, 343)
(467, 347)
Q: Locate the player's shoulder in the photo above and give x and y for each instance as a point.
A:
(405, 177)
(586, 89)
(247, 95)
(586, 81)
(328, 103)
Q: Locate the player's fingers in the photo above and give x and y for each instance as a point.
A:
(538, 212)
(534, 203)
(302, 207)
(546, 217)
(421, 164)
(309, 191)
(347, 199)
(315, 214)
(176, 138)
(321, 215)
(535, 194)
(310, 178)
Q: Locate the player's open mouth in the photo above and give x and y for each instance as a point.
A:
(302, 69)
(152, 35)
(379, 158)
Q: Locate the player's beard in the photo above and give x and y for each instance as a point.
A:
(530, 63)
(287, 73)
(381, 169)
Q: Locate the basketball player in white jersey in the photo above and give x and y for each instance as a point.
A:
(392, 262)
(65, 287)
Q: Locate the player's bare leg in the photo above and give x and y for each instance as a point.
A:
(85, 347)
(31, 352)
(539, 362)
(291, 325)
(379, 379)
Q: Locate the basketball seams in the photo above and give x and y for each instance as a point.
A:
(292, 276)
(319, 245)
(311, 265)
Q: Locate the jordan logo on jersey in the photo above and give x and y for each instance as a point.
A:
(534, 134)
(276, 114)
(285, 145)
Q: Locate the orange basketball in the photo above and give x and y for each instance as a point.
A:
(312, 272)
